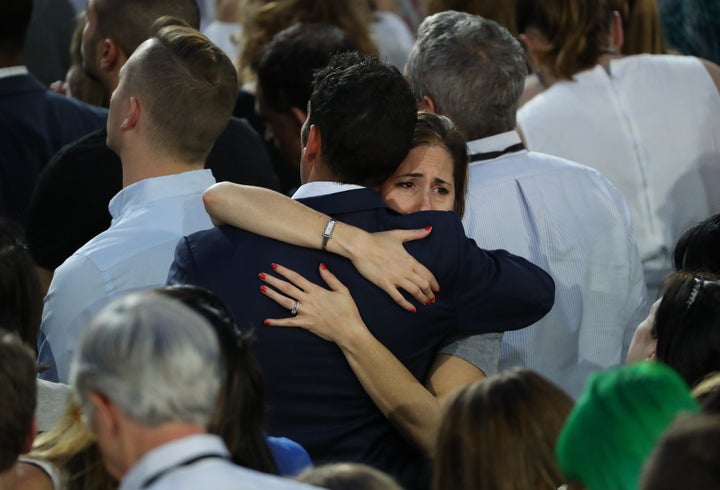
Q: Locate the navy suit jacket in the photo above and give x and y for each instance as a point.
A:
(313, 395)
(34, 124)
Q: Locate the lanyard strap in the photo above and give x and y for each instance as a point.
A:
(477, 157)
(160, 474)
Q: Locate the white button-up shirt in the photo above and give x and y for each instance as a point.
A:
(569, 220)
(135, 253)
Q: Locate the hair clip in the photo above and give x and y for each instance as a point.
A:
(698, 283)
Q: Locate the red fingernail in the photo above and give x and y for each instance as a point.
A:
(428, 302)
(323, 266)
(274, 266)
(432, 300)
(428, 228)
(262, 276)
(267, 322)
(413, 310)
(263, 288)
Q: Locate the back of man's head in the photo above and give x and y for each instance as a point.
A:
(366, 115)
(17, 398)
(14, 21)
(286, 67)
(129, 22)
(154, 358)
(188, 88)
(472, 68)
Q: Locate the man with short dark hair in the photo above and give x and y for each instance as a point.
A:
(284, 81)
(35, 122)
(172, 82)
(314, 396)
(564, 217)
(61, 219)
(17, 405)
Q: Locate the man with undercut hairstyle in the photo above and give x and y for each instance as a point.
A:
(564, 217)
(174, 97)
(17, 406)
(61, 219)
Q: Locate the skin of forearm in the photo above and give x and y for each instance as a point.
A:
(274, 215)
(396, 392)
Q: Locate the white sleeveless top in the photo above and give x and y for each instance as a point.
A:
(52, 471)
(652, 127)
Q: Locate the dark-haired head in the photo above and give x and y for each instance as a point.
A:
(14, 21)
(285, 73)
(20, 295)
(241, 411)
(365, 113)
(500, 433)
(698, 249)
(687, 325)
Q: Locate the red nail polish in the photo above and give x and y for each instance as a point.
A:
(428, 228)
(413, 310)
(433, 299)
(323, 266)
(262, 276)
(267, 322)
(428, 302)
(274, 266)
(263, 288)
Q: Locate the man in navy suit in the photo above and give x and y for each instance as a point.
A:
(359, 129)
(35, 123)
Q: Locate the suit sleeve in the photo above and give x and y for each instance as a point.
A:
(182, 270)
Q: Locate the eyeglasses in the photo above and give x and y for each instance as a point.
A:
(698, 284)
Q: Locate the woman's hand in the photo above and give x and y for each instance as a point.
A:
(328, 313)
(382, 259)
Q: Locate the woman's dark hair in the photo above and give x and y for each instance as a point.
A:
(687, 325)
(20, 296)
(577, 32)
(435, 130)
(240, 415)
(500, 433)
(698, 249)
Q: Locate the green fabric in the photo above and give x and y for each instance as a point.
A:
(616, 423)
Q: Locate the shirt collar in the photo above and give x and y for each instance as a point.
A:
(169, 455)
(323, 188)
(13, 71)
(497, 142)
(158, 188)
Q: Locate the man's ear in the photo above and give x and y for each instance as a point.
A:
(112, 56)
(133, 114)
(27, 446)
(652, 355)
(427, 104)
(534, 43)
(299, 115)
(616, 31)
(313, 146)
(104, 412)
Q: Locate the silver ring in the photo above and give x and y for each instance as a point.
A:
(295, 308)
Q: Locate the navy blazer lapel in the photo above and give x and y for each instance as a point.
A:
(346, 201)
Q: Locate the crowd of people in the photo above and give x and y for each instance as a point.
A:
(359, 244)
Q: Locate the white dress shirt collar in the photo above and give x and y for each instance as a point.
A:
(173, 454)
(323, 188)
(12, 71)
(497, 142)
(159, 188)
